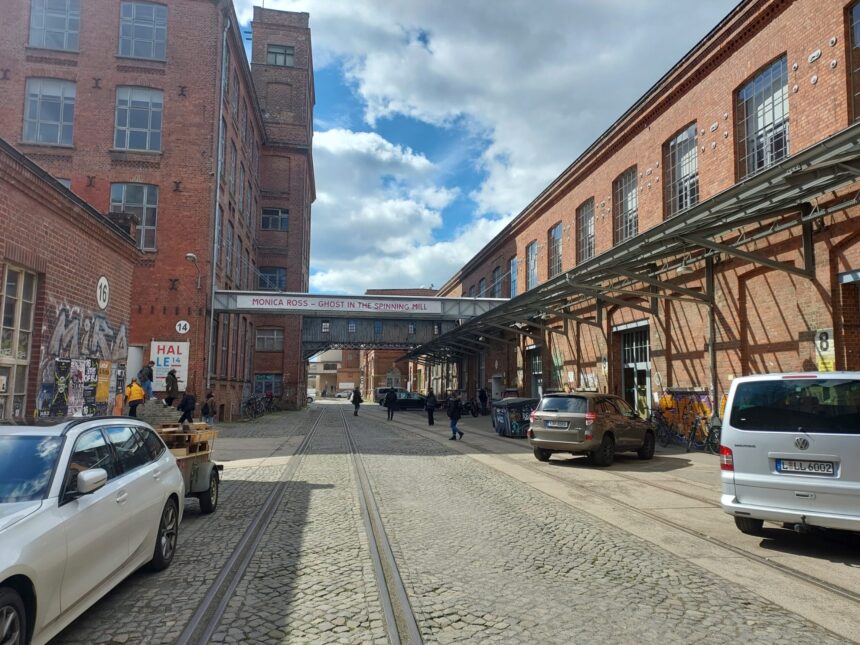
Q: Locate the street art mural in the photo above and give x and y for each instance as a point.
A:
(82, 366)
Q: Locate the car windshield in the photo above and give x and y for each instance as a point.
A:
(26, 465)
(798, 405)
(577, 404)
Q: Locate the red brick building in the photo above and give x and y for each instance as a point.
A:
(152, 109)
(739, 166)
(66, 305)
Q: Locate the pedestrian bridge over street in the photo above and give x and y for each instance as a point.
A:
(359, 322)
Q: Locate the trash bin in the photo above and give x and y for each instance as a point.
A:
(511, 416)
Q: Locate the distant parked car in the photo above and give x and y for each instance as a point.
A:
(410, 401)
(83, 504)
(380, 392)
(590, 423)
(790, 451)
(343, 394)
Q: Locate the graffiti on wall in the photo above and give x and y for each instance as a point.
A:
(82, 364)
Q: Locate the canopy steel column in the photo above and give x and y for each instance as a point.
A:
(710, 284)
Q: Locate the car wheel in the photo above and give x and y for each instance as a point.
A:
(605, 454)
(749, 526)
(13, 618)
(168, 533)
(647, 449)
(310, 399)
(209, 497)
(541, 454)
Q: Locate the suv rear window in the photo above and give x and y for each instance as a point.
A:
(823, 405)
(563, 404)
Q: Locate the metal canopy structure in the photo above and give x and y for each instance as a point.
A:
(641, 271)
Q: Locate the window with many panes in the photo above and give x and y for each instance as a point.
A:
(585, 231)
(472, 291)
(482, 288)
(274, 219)
(531, 266)
(138, 118)
(854, 59)
(248, 202)
(282, 55)
(681, 171)
(248, 273)
(234, 350)
(761, 110)
(410, 329)
(143, 30)
(272, 278)
(222, 158)
(232, 183)
(17, 303)
(240, 269)
(554, 250)
(225, 342)
(512, 272)
(377, 327)
(268, 384)
(49, 112)
(625, 205)
(229, 232)
(437, 328)
(351, 326)
(325, 326)
(55, 24)
(234, 96)
(497, 282)
(140, 200)
(240, 197)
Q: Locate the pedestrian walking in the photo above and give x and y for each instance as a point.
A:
(389, 402)
(171, 386)
(482, 398)
(207, 410)
(144, 377)
(187, 407)
(134, 396)
(455, 411)
(430, 405)
(356, 401)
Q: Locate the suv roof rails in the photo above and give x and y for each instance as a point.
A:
(72, 423)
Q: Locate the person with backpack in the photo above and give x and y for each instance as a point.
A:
(430, 404)
(144, 377)
(389, 402)
(207, 410)
(356, 400)
(455, 411)
(187, 407)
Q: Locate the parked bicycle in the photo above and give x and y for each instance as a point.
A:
(472, 407)
(704, 435)
(253, 407)
(663, 429)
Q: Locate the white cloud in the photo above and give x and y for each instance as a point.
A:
(539, 82)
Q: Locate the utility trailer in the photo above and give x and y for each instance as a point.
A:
(192, 445)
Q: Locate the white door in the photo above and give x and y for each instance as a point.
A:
(95, 524)
(134, 362)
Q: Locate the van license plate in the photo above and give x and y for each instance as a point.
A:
(557, 424)
(804, 467)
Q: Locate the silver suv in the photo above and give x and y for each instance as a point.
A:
(590, 423)
(790, 451)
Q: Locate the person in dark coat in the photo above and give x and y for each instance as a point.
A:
(455, 411)
(171, 387)
(430, 405)
(356, 400)
(482, 398)
(390, 401)
(187, 407)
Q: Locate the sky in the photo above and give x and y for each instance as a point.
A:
(437, 122)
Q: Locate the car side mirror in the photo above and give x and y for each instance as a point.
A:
(91, 480)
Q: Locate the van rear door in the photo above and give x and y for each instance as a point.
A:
(795, 440)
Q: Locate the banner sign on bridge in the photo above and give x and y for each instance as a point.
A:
(336, 304)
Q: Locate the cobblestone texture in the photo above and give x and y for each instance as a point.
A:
(311, 580)
(488, 559)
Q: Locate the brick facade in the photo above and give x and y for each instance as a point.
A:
(766, 319)
(47, 232)
(272, 166)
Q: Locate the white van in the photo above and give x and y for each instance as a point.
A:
(790, 451)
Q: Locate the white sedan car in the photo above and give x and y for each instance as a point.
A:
(83, 504)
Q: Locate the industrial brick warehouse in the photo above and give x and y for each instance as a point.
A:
(712, 231)
(153, 112)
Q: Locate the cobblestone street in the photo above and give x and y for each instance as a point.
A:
(489, 549)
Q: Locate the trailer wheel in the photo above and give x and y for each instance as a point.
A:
(209, 497)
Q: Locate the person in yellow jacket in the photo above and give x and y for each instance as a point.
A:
(134, 396)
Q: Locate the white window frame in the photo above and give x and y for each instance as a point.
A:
(531, 265)
(70, 30)
(138, 99)
(43, 94)
(146, 211)
(131, 23)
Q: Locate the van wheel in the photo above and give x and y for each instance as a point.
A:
(647, 449)
(605, 454)
(749, 526)
(13, 618)
(542, 454)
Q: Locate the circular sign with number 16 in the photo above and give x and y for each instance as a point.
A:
(103, 293)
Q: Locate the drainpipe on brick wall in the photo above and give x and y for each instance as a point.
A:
(216, 210)
(710, 289)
